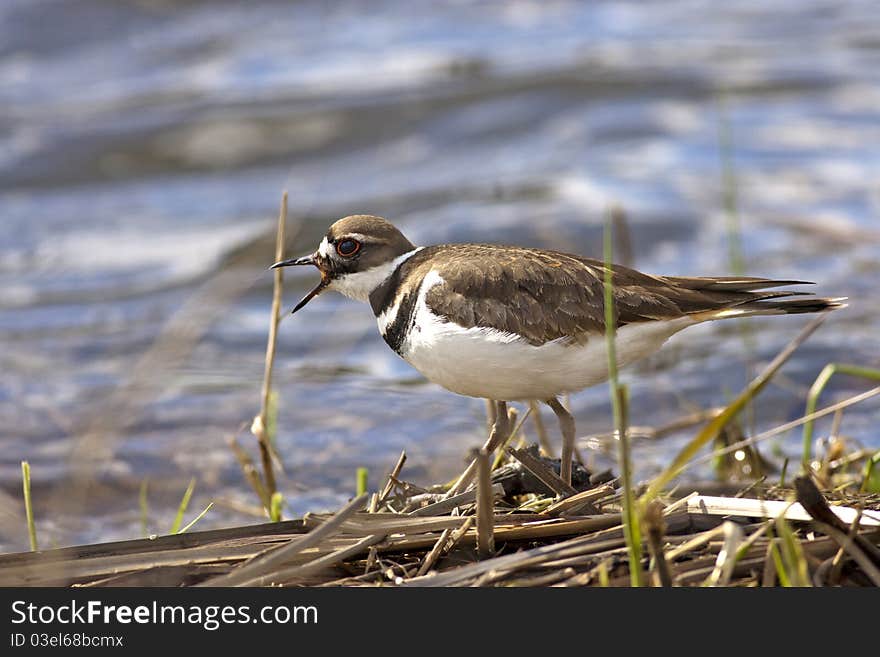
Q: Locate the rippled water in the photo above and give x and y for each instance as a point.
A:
(144, 147)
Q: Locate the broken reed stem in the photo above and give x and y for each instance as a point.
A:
(656, 530)
(631, 529)
(448, 540)
(267, 562)
(262, 426)
(499, 433)
(485, 506)
(544, 473)
(392, 476)
(517, 426)
(28, 505)
(250, 473)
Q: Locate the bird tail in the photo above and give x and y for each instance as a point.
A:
(774, 306)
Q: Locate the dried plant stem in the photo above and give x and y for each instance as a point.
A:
(485, 506)
(266, 563)
(655, 526)
(262, 425)
(542, 472)
(448, 540)
(392, 476)
(499, 433)
(251, 474)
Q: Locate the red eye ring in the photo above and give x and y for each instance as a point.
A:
(347, 247)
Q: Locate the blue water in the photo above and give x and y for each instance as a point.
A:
(144, 148)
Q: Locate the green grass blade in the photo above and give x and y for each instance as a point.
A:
(870, 483)
(197, 518)
(276, 506)
(361, 484)
(603, 574)
(28, 505)
(795, 563)
(714, 427)
(631, 528)
(184, 503)
(813, 397)
(780, 567)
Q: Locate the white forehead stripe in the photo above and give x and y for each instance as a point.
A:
(325, 248)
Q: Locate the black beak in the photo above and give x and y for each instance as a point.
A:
(305, 260)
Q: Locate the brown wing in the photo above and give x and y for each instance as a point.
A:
(541, 295)
(547, 295)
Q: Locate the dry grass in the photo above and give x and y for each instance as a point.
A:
(691, 542)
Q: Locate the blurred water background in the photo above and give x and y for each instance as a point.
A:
(144, 146)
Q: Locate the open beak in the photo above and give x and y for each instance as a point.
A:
(305, 260)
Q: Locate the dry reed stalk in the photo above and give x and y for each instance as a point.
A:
(542, 472)
(392, 477)
(485, 506)
(816, 505)
(837, 560)
(697, 541)
(727, 556)
(499, 433)
(547, 579)
(514, 428)
(655, 526)
(446, 505)
(293, 573)
(261, 422)
(251, 474)
(267, 561)
(579, 502)
(448, 540)
(852, 547)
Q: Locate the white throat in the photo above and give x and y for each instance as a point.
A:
(360, 284)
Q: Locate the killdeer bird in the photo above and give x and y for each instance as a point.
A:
(509, 323)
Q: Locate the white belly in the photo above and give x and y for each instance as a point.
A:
(490, 364)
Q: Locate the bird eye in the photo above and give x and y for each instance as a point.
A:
(348, 247)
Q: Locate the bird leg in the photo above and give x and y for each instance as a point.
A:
(500, 430)
(566, 425)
